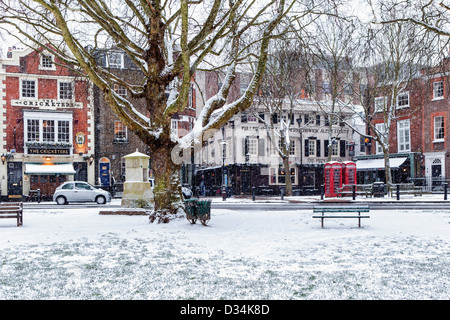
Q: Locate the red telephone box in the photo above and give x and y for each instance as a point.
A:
(349, 171)
(333, 178)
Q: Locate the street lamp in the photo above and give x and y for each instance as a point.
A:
(224, 144)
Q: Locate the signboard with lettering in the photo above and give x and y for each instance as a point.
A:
(46, 104)
(56, 151)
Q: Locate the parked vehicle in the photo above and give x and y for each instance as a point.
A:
(80, 191)
(187, 193)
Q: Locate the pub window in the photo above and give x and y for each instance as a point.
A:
(65, 91)
(48, 130)
(46, 62)
(28, 89)
(33, 130)
(63, 131)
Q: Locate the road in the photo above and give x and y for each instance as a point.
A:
(267, 206)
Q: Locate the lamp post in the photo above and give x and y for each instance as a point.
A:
(224, 144)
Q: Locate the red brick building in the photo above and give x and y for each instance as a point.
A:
(419, 137)
(46, 129)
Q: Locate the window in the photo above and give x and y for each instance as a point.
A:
(29, 89)
(312, 147)
(403, 100)
(120, 131)
(381, 128)
(404, 137)
(439, 132)
(48, 130)
(335, 148)
(379, 104)
(278, 176)
(438, 90)
(63, 131)
(318, 119)
(326, 87)
(68, 186)
(46, 62)
(120, 90)
(65, 90)
(174, 127)
(292, 148)
(252, 146)
(115, 60)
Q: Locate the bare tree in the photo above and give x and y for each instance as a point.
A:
(168, 41)
(332, 52)
(392, 56)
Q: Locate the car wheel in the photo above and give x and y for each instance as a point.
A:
(100, 200)
(61, 200)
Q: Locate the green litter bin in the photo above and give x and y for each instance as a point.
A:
(198, 209)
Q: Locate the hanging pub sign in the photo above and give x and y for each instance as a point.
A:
(80, 139)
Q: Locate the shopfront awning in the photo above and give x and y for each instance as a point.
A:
(43, 169)
(375, 164)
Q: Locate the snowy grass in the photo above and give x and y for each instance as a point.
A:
(79, 254)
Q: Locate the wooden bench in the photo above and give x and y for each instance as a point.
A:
(360, 189)
(340, 209)
(12, 210)
(405, 188)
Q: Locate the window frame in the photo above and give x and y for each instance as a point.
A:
(49, 57)
(22, 88)
(440, 97)
(436, 139)
(65, 96)
(400, 97)
(401, 134)
(121, 135)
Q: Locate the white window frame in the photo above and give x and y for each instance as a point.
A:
(438, 90)
(401, 97)
(35, 89)
(41, 117)
(60, 84)
(436, 131)
(404, 136)
(117, 124)
(274, 172)
(252, 146)
(379, 104)
(50, 57)
(174, 127)
(120, 90)
(115, 65)
(312, 142)
(381, 128)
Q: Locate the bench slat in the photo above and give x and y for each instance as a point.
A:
(341, 216)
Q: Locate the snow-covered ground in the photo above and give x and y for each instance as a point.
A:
(66, 253)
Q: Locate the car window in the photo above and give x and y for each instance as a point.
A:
(68, 186)
(82, 186)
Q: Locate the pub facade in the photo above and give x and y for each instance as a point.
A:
(46, 125)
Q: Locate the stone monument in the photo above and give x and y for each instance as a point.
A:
(137, 192)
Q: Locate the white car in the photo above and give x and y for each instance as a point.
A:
(80, 191)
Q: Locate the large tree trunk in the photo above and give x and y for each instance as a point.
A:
(168, 199)
(287, 170)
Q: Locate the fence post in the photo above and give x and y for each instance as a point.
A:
(253, 193)
(322, 192)
(398, 192)
(354, 192)
(445, 190)
(282, 193)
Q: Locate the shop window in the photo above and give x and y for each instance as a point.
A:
(277, 176)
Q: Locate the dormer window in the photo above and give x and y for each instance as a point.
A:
(115, 60)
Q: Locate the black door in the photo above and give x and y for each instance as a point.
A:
(15, 180)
